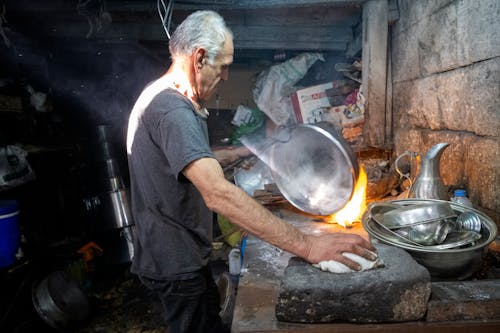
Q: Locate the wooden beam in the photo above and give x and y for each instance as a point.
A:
(150, 5)
(393, 15)
(310, 16)
(388, 96)
(246, 37)
(374, 77)
(243, 4)
(316, 28)
(355, 46)
(292, 38)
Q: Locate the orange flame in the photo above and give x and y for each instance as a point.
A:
(355, 208)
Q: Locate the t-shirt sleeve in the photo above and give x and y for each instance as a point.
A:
(183, 138)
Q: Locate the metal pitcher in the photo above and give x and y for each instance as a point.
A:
(428, 183)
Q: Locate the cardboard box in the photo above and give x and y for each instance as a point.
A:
(310, 103)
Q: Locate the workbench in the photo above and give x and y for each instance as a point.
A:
(259, 285)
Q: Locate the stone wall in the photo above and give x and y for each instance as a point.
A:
(446, 88)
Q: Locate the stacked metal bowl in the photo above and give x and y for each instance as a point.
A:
(448, 239)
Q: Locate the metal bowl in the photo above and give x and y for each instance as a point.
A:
(409, 215)
(443, 263)
(426, 233)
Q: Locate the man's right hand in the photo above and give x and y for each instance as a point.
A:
(331, 246)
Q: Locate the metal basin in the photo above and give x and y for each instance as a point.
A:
(443, 263)
(60, 302)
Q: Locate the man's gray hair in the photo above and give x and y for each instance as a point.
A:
(202, 29)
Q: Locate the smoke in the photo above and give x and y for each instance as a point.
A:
(89, 82)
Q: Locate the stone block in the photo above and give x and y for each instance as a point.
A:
(482, 172)
(404, 57)
(441, 35)
(416, 105)
(394, 293)
(407, 139)
(468, 98)
(437, 41)
(412, 12)
(465, 99)
(478, 30)
(424, 39)
(465, 300)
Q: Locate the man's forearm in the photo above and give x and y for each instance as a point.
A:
(229, 200)
(247, 213)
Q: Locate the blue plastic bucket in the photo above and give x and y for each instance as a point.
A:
(10, 234)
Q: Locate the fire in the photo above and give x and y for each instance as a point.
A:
(355, 208)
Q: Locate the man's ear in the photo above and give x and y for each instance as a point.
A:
(200, 57)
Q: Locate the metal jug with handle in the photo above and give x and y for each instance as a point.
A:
(428, 183)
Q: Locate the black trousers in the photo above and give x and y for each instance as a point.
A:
(190, 306)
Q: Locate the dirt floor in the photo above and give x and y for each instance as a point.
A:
(125, 307)
(120, 303)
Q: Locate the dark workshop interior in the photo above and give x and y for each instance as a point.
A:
(411, 87)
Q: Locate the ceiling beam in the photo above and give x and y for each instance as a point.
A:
(246, 37)
(151, 5)
(291, 37)
(249, 4)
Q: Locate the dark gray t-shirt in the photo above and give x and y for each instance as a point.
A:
(173, 235)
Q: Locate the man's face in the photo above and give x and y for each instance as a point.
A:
(211, 74)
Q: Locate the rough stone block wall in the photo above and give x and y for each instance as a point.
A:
(446, 88)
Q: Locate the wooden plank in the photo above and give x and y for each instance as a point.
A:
(299, 34)
(195, 4)
(310, 16)
(307, 29)
(388, 104)
(375, 33)
(355, 46)
(50, 5)
(314, 27)
(393, 15)
(254, 37)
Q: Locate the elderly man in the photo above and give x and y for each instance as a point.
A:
(177, 182)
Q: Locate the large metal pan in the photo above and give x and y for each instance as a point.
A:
(314, 168)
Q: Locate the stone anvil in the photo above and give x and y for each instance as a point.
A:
(397, 292)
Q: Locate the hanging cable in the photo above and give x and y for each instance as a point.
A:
(3, 21)
(165, 12)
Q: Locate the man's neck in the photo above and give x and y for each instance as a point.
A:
(179, 77)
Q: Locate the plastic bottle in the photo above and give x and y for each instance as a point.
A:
(460, 197)
(235, 262)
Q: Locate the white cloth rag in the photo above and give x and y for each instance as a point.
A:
(337, 267)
